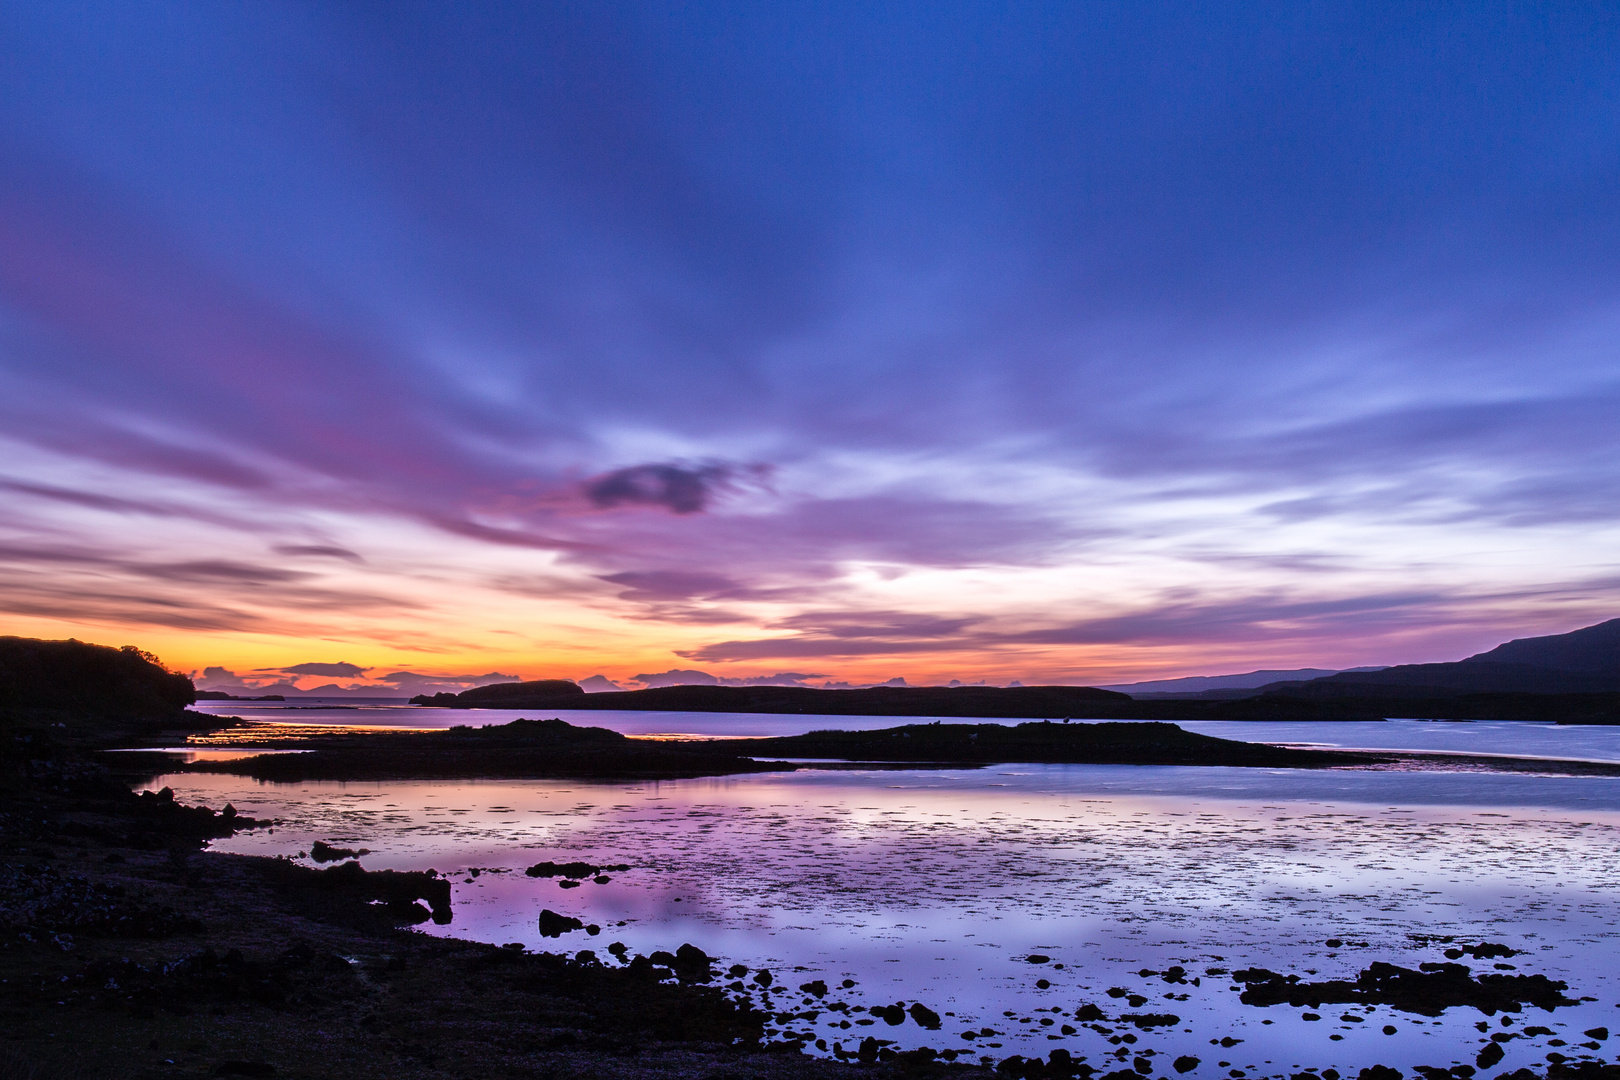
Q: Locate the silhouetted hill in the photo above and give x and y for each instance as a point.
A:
(88, 680)
(1106, 743)
(510, 695)
(1593, 650)
(1022, 702)
(1585, 661)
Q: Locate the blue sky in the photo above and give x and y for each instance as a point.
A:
(1057, 342)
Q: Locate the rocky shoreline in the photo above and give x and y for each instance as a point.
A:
(126, 951)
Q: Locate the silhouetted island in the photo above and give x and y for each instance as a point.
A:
(1020, 702)
(1044, 742)
(527, 749)
(1287, 701)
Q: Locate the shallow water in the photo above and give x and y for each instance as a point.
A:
(1590, 743)
(934, 886)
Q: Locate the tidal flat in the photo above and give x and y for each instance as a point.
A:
(1040, 907)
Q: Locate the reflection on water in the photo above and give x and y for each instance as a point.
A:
(1588, 743)
(936, 886)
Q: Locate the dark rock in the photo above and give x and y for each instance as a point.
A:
(1429, 991)
(554, 925)
(924, 1016)
(816, 987)
(892, 1015)
(1150, 1020)
(1379, 1072)
(1185, 1063)
(1490, 1055)
(692, 964)
(565, 870)
(1485, 950)
(397, 890)
(322, 852)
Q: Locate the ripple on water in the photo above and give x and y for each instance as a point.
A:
(937, 887)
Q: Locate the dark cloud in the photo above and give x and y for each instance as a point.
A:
(678, 488)
(675, 677)
(875, 624)
(1172, 622)
(340, 669)
(658, 585)
(320, 551)
(217, 570)
(680, 677)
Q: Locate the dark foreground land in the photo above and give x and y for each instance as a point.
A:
(126, 951)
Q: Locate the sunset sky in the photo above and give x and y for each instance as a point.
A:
(1054, 342)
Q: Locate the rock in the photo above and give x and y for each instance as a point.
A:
(555, 925)
(692, 964)
(574, 870)
(815, 987)
(1490, 1055)
(1145, 1021)
(892, 1015)
(322, 852)
(1428, 991)
(1379, 1072)
(924, 1016)
(1185, 1063)
(1089, 1012)
(397, 889)
(1037, 958)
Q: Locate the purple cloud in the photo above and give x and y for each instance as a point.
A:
(1025, 316)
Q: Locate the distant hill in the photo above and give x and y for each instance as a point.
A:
(1025, 702)
(1585, 661)
(1251, 680)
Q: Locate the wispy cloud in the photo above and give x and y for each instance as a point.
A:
(1034, 334)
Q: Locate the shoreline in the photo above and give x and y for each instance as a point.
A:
(130, 952)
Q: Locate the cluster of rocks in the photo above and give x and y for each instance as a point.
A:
(1428, 991)
(396, 892)
(38, 901)
(298, 977)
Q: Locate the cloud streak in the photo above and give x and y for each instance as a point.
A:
(588, 340)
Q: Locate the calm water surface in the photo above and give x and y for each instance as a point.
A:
(934, 886)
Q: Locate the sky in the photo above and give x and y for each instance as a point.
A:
(1062, 342)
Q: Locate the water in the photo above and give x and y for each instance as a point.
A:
(935, 886)
(394, 712)
(1589, 743)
